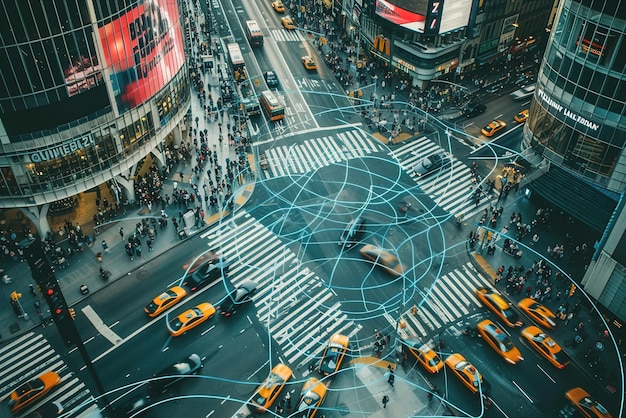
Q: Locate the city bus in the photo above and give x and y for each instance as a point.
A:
(273, 109)
(237, 65)
(253, 33)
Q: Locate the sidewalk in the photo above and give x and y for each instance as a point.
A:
(594, 362)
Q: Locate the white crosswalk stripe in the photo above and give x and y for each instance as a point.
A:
(449, 299)
(314, 153)
(452, 188)
(31, 355)
(292, 302)
(283, 35)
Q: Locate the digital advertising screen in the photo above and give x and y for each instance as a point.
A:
(428, 17)
(143, 49)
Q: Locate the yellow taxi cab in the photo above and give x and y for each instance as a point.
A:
(466, 373)
(521, 116)
(308, 63)
(333, 354)
(165, 301)
(191, 318)
(269, 390)
(538, 313)
(311, 397)
(426, 356)
(30, 392)
(493, 128)
(546, 346)
(499, 341)
(278, 6)
(588, 406)
(287, 22)
(499, 306)
(384, 259)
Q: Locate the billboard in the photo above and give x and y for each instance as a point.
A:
(428, 17)
(143, 50)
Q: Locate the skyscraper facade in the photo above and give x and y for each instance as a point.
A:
(87, 90)
(577, 124)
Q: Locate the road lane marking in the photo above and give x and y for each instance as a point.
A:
(102, 328)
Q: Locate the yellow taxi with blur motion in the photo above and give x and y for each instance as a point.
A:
(278, 6)
(311, 397)
(465, 371)
(493, 128)
(588, 406)
(426, 356)
(334, 354)
(165, 301)
(546, 346)
(499, 341)
(494, 301)
(308, 63)
(287, 22)
(521, 116)
(538, 313)
(269, 390)
(191, 318)
(32, 391)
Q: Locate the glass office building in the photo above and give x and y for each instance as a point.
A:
(88, 88)
(577, 118)
(577, 123)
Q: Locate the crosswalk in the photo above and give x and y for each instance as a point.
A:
(450, 298)
(299, 311)
(451, 189)
(314, 153)
(283, 35)
(31, 355)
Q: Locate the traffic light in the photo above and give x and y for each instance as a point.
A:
(15, 296)
(55, 300)
(72, 313)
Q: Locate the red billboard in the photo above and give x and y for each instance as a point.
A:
(429, 16)
(143, 50)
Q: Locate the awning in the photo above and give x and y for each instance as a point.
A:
(576, 197)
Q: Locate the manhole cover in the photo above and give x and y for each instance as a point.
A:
(14, 328)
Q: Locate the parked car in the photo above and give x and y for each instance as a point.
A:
(174, 373)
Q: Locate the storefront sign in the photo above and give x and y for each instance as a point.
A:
(566, 112)
(67, 147)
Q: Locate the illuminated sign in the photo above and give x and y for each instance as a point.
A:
(143, 49)
(430, 17)
(566, 112)
(63, 149)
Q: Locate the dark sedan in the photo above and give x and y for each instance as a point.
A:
(271, 79)
(174, 373)
(207, 273)
(352, 234)
(430, 164)
(241, 295)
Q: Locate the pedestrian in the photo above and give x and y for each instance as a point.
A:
(138, 250)
(122, 232)
(105, 247)
(392, 378)
(149, 244)
(385, 401)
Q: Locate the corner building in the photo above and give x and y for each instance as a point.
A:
(577, 124)
(88, 90)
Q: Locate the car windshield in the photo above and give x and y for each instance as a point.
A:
(309, 399)
(511, 315)
(175, 324)
(488, 128)
(589, 403)
(434, 361)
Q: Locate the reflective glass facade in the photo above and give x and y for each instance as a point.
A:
(577, 117)
(85, 86)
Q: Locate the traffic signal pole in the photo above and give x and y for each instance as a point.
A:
(63, 316)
